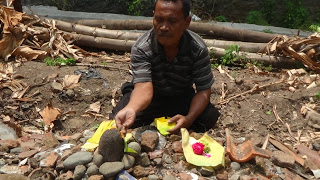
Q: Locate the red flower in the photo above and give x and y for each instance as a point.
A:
(198, 148)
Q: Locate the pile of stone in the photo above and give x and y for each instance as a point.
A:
(156, 157)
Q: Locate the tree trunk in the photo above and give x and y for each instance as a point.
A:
(97, 32)
(267, 60)
(213, 30)
(243, 46)
(126, 35)
(103, 43)
(108, 39)
(91, 41)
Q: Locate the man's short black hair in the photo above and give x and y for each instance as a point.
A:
(186, 6)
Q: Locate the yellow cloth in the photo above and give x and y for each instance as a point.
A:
(105, 125)
(163, 125)
(217, 152)
(93, 142)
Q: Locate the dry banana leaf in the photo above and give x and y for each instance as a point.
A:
(305, 50)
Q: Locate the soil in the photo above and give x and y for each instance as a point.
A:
(251, 113)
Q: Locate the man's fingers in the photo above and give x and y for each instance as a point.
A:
(173, 130)
(124, 130)
(173, 119)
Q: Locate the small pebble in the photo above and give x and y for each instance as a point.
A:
(153, 177)
(169, 177)
(93, 170)
(316, 146)
(79, 172)
(98, 159)
(235, 166)
(167, 158)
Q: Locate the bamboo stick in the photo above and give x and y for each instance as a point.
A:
(267, 60)
(214, 30)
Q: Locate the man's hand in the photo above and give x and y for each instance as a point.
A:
(181, 122)
(125, 118)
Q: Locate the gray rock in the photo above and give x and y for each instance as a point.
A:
(153, 177)
(16, 150)
(238, 81)
(98, 159)
(79, 158)
(56, 87)
(235, 166)
(206, 171)
(87, 133)
(144, 160)
(111, 145)
(158, 161)
(89, 164)
(135, 146)
(167, 158)
(93, 170)
(169, 177)
(128, 161)
(227, 121)
(316, 146)
(2, 162)
(83, 140)
(70, 93)
(235, 176)
(79, 172)
(110, 169)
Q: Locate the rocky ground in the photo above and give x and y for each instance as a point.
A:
(50, 115)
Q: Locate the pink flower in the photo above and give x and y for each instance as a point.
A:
(198, 148)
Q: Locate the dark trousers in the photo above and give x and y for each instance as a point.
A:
(168, 106)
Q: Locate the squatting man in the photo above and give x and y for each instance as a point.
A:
(166, 61)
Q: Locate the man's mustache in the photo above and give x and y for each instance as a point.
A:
(164, 34)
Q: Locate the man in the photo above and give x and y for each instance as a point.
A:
(166, 62)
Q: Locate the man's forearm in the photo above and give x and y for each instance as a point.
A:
(141, 96)
(198, 103)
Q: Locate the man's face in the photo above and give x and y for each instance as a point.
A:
(169, 22)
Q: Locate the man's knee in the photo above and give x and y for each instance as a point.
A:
(207, 119)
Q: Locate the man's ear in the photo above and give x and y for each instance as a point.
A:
(188, 20)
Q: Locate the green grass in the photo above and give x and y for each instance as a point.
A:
(59, 61)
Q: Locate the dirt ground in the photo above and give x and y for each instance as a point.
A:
(253, 103)
(249, 114)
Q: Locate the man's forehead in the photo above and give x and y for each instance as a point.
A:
(168, 7)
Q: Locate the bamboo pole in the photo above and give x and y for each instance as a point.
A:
(125, 35)
(267, 60)
(97, 32)
(91, 41)
(213, 30)
(122, 45)
(243, 46)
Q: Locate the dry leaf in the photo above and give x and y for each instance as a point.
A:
(71, 81)
(94, 107)
(29, 53)
(50, 114)
(12, 34)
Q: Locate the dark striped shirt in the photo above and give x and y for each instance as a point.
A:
(191, 65)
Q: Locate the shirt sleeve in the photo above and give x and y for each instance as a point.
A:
(141, 66)
(202, 73)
